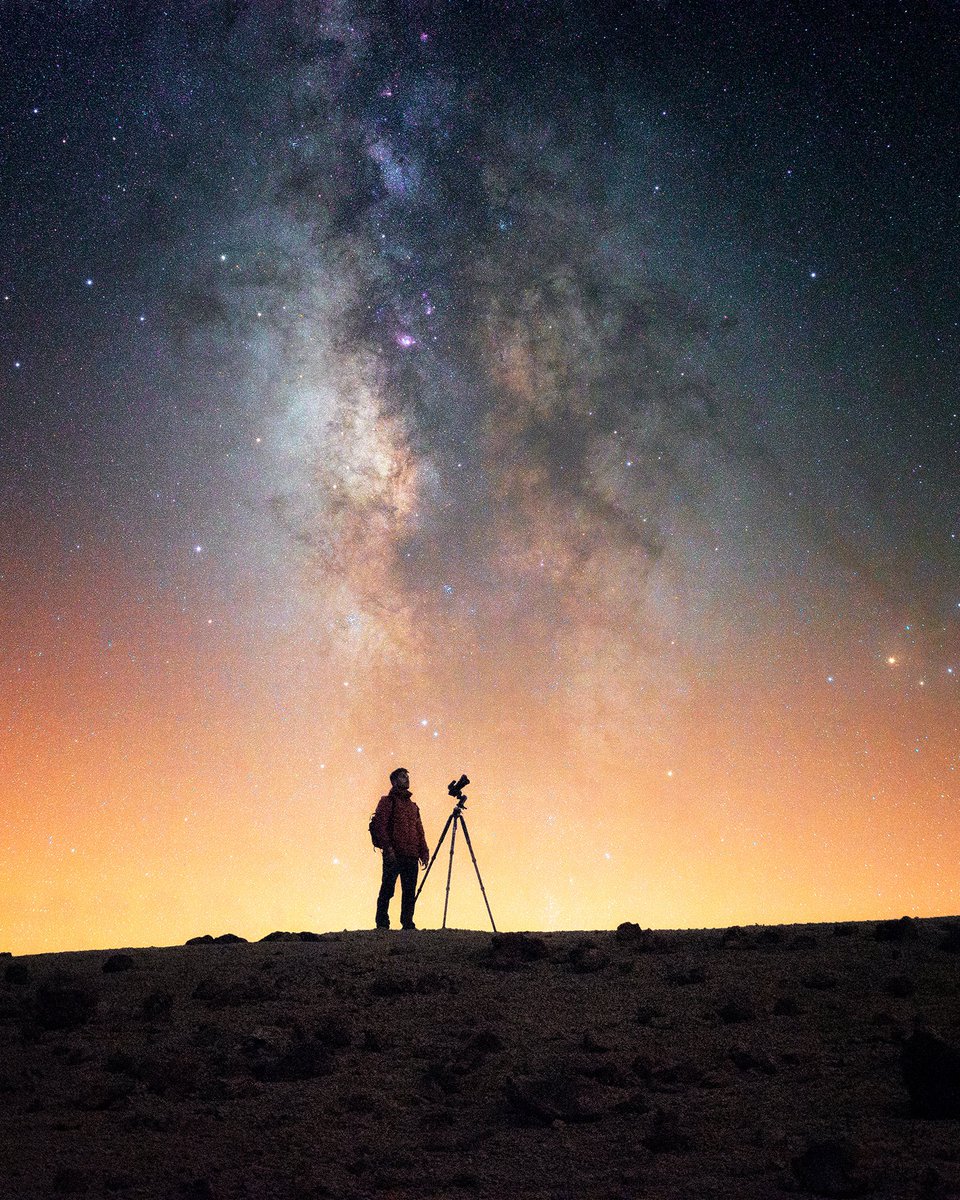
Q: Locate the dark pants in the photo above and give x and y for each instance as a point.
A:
(404, 866)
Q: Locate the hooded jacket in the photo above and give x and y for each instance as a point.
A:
(403, 832)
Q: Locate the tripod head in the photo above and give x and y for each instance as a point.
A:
(455, 789)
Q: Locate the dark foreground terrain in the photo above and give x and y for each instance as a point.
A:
(727, 1063)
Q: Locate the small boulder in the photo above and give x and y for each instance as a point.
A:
(18, 974)
(665, 1135)
(508, 951)
(587, 957)
(737, 1010)
(949, 940)
(900, 986)
(905, 929)
(63, 1005)
(564, 1097)
(119, 962)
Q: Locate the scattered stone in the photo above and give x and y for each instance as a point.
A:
(828, 1168)
(157, 1005)
(206, 939)
(384, 984)
(737, 1010)
(647, 1014)
(903, 930)
(431, 982)
(820, 981)
(592, 1043)
(334, 1031)
(786, 1006)
(587, 957)
(18, 974)
(931, 1072)
(950, 938)
(508, 951)
(685, 976)
(279, 936)
(733, 934)
(844, 929)
(747, 1058)
(564, 1097)
(63, 1006)
(669, 1075)
(803, 941)
(301, 1060)
(642, 941)
(769, 937)
(119, 962)
(900, 986)
(666, 1136)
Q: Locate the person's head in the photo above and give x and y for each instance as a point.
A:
(400, 778)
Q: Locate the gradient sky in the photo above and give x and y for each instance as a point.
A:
(562, 394)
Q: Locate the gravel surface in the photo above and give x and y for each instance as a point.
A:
(744, 1063)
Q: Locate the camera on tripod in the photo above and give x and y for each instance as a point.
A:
(456, 786)
(456, 819)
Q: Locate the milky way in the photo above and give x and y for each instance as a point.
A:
(560, 395)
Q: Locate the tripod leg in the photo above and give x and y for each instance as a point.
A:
(453, 842)
(435, 853)
(466, 834)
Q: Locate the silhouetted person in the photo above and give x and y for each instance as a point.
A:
(398, 831)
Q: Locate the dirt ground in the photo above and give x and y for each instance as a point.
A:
(744, 1063)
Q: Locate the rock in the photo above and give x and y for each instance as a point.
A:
(665, 1135)
(949, 940)
(667, 1075)
(844, 929)
(736, 1010)
(157, 1005)
(587, 957)
(931, 1073)
(119, 962)
(820, 981)
(904, 930)
(301, 1060)
(900, 986)
(747, 1058)
(803, 941)
(63, 1005)
(786, 1006)
(206, 939)
(686, 975)
(564, 1097)
(508, 951)
(279, 936)
(642, 941)
(828, 1168)
(18, 974)
(385, 984)
(769, 937)
(334, 1030)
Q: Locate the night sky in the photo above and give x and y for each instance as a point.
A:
(565, 394)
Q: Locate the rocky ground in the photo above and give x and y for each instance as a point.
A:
(741, 1063)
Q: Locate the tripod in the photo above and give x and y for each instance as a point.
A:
(456, 818)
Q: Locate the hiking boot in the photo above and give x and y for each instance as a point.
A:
(409, 926)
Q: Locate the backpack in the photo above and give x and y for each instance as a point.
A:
(373, 836)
